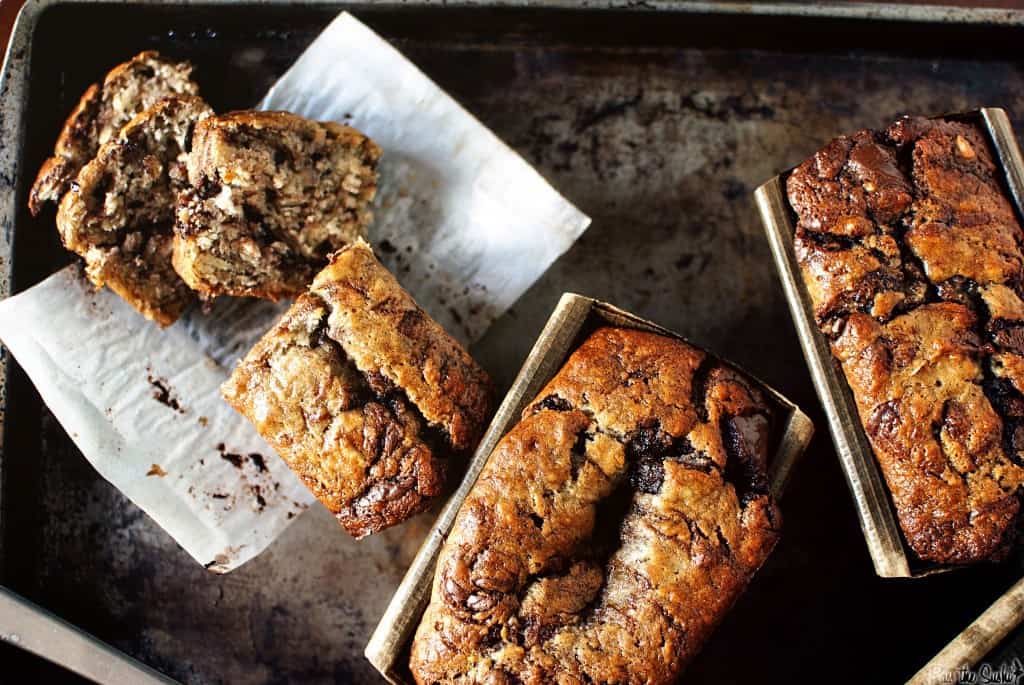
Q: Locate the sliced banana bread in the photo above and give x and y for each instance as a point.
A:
(119, 213)
(273, 195)
(103, 110)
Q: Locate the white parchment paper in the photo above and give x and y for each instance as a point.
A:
(464, 222)
(142, 404)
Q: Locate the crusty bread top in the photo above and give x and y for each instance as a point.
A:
(363, 394)
(127, 90)
(611, 528)
(363, 450)
(385, 332)
(911, 253)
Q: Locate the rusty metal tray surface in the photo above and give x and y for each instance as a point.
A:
(657, 119)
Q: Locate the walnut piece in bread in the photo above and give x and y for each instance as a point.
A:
(611, 529)
(119, 213)
(364, 395)
(273, 195)
(129, 89)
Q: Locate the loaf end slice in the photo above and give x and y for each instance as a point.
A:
(327, 389)
(129, 89)
(273, 195)
(119, 213)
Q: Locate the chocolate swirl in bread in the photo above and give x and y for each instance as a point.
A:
(611, 528)
(363, 394)
(911, 254)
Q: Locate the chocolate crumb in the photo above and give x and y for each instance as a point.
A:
(163, 395)
(155, 470)
(259, 461)
(219, 495)
(259, 497)
(203, 421)
(235, 459)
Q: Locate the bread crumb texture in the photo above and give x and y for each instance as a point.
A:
(272, 195)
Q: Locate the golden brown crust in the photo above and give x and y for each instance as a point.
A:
(127, 90)
(611, 529)
(911, 254)
(119, 213)
(386, 333)
(273, 194)
(327, 388)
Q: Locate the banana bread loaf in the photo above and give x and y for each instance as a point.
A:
(128, 89)
(611, 528)
(363, 394)
(272, 196)
(119, 213)
(911, 254)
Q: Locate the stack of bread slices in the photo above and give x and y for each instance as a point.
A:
(167, 202)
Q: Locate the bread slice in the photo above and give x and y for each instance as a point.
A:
(103, 110)
(273, 195)
(119, 213)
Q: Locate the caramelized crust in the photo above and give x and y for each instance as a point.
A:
(911, 254)
(104, 108)
(119, 213)
(611, 529)
(363, 394)
(272, 196)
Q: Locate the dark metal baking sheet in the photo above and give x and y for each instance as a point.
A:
(658, 121)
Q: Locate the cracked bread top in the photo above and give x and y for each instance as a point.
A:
(911, 254)
(611, 528)
(119, 212)
(129, 89)
(365, 396)
(273, 195)
(387, 334)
